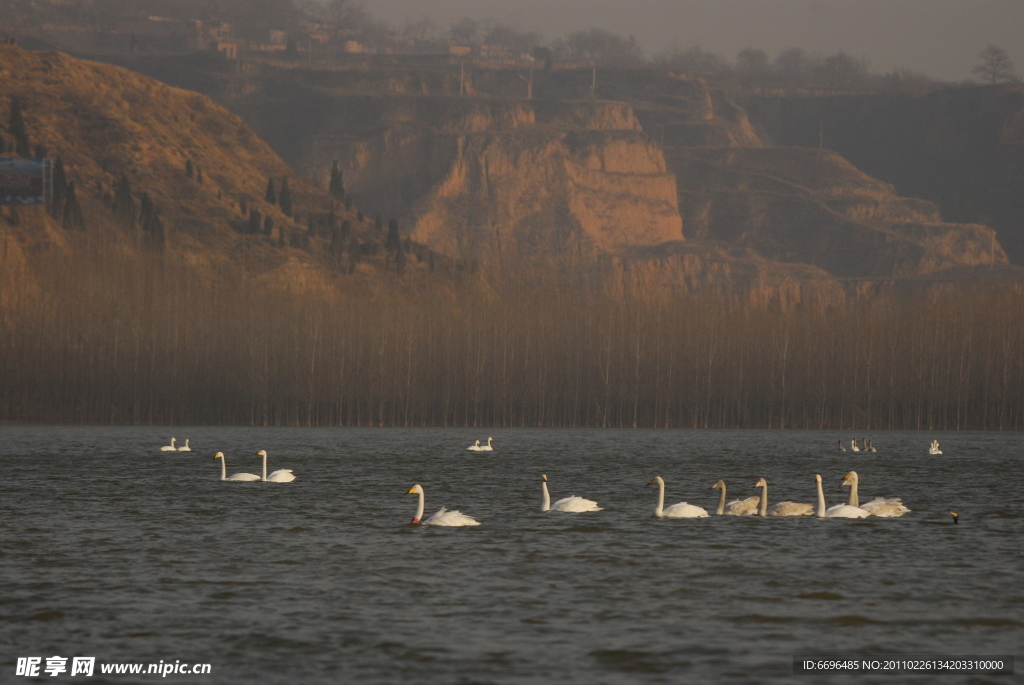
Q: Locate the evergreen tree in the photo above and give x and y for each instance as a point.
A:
(255, 221)
(348, 202)
(394, 240)
(124, 205)
(337, 186)
(72, 219)
(188, 168)
(285, 198)
(346, 229)
(17, 128)
(400, 258)
(151, 224)
(268, 226)
(243, 205)
(199, 174)
(60, 188)
(271, 196)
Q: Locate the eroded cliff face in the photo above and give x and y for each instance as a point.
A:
(813, 207)
(472, 181)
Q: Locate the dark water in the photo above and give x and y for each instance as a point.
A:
(110, 548)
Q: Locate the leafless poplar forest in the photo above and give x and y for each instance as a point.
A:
(131, 341)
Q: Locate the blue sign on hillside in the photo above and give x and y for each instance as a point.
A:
(26, 181)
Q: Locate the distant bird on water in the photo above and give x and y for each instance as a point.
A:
(169, 448)
(186, 448)
(841, 448)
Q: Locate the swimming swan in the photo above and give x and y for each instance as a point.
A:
(882, 507)
(475, 448)
(443, 517)
(934, 448)
(786, 508)
(236, 476)
(487, 447)
(682, 510)
(186, 448)
(279, 476)
(738, 507)
(853, 445)
(169, 448)
(839, 511)
(573, 504)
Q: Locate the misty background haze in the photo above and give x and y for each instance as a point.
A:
(940, 38)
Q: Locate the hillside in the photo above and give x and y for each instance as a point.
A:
(494, 172)
(961, 148)
(126, 140)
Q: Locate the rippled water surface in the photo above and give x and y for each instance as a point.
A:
(113, 549)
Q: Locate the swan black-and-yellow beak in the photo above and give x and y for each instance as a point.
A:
(544, 478)
(652, 482)
(411, 490)
(956, 517)
(219, 455)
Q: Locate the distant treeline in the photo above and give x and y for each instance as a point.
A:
(124, 341)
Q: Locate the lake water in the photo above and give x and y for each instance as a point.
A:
(113, 549)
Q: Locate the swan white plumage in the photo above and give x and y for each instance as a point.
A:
(839, 511)
(934, 448)
(572, 504)
(871, 446)
(279, 476)
(681, 510)
(443, 517)
(475, 447)
(738, 507)
(882, 507)
(853, 445)
(236, 476)
(186, 448)
(487, 447)
(169, 448)
(786, 508)
(841, 448)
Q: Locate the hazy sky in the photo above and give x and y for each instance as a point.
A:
(938, 37)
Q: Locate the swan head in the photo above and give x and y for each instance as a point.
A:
(261, 453)
(219, 455)
(762, 483)
(544, 478)
(817, 478)
(850, 478)
(658, 480)
(720, 484)
(956, 517)
(415, 490)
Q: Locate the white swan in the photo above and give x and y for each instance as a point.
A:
(853, 445)
(279, 476)
(443, 517)
(236, 476)
(487, 447)
(871, 446)
(841, 448)
(681, 510)
(475, 448)
(882, 507)
(169, 448)
(839, 511)
(786, 508)
(934, 449)
(186, 448)
(738, 507)
(573, 504)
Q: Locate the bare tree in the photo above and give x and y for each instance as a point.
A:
(996, 65)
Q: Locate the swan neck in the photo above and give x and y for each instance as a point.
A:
(264, 466)
(419, 508)
(545, 497)
(854, 497)
(658, 511)
(764, 501)
(223, 469)
(821, 501)
(721, 501)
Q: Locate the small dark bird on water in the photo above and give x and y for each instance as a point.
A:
(956, 517)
